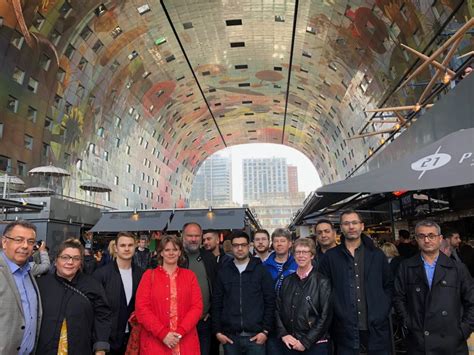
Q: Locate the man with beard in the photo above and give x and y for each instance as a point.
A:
(243, 302)
(203, 264)
(210, 242)
(120, 280)
(362, 288)
(325, 235)
(261, 242)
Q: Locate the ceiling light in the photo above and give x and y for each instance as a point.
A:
(143, 9)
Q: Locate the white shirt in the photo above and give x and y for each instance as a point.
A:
(241, 267)
(126, 275)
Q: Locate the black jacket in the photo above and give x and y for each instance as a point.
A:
(210, 265)
(441, 319)
(337, 264)
(142, 258)
(304, 308)
(109, 277)
(87, 314)
(243, 302)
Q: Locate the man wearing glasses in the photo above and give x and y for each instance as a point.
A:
(362, 288)
(434, 295)
(20, 304)
(243, 302)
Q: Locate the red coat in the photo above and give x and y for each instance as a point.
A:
(152, 309)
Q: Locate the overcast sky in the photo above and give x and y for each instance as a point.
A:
(308, 178)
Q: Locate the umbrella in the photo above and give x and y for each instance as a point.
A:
(49, 170)
(39, 190)
(10, 179)
(94, 186)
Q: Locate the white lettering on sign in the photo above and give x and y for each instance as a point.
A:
(430, 162)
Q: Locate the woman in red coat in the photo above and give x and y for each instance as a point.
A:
(169, 304)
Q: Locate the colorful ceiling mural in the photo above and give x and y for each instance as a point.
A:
(138, 94)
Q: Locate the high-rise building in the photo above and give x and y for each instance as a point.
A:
(263, 177)
(292, 179)
(212, 185)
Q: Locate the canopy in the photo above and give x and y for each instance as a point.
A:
(10, 179)
(48, 170)
(40, 190)
(94, 186)
(219, 219)
(132, 221)
(446, 162)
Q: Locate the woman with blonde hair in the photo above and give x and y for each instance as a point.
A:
(169, 304)
(393, 256)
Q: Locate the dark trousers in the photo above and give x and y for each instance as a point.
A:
(364, 341)
(123, 348)
(274, 345)
(204, 334)
(315, 349)
(243, 345)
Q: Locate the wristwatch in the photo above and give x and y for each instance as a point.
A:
(265, 332)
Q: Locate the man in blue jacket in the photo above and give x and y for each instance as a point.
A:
(362, 288)
(243, 302)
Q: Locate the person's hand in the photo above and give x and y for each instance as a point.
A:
(260, 338)
(42, 246)
(290, 341)
(223, 339)
(298, 346)
(98, 256)
(171, 339)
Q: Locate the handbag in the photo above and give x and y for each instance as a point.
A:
(133, 345)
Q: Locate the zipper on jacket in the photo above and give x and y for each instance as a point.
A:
(240, 299)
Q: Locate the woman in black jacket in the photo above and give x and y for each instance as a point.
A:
(304, 305)
(76, 316)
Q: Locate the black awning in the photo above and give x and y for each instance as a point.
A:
(447, 162)
(132, 221)
(219, 219)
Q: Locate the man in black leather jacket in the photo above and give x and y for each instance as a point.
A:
(304, 305)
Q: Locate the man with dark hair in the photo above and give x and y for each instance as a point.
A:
(243, 303)
(142, 255)
(405, 247)
(460, 251)
(20, 303)
(204, 265)
(120, 280)
(261, 244)
(362, 288)
(210, 242)
(325, 235)
(434, 295)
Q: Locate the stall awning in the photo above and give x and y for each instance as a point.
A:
(219, 219)
(447, 162)
(132, 221)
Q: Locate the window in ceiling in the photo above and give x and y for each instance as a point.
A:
(117, 31)
(338, 99)
(276, 86)
(246, 102)
(351, 106)
(236, 22)
(151, 108)
(212, 89)
(187, 25)
(306, 54)
(132, 55)
(279, 18)
(142, 10)
(237, 44)
(250, 122)
(304, 70)
(300, 88)
(85, 33)
(252, 131)
(114, 66)
(311, 30)
(332, 66)
(190, 94)
(345, 84)
(146, 74)
(170, 58)
(100, 10)
(248, 114)
(241, 66)
(244, 84)
(277, 68)
(206, 73)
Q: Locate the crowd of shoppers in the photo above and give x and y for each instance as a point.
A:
(291, 297)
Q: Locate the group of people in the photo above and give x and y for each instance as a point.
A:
(300, 298)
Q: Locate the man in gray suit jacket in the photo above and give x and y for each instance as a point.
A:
(20, 305)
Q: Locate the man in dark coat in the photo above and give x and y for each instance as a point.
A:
(362, 287)
(120, 280)
(460, 251)
(434, 295)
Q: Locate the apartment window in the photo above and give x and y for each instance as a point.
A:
(45, 151)
(117, 142)
(57, 101)
(97, 46)
(82, 63)
(127, 150)
(85, 33)
(79, 164)
(45, 62)
(5, 163)
(91, 148)
(38, 21)
(107, 196)
(12, 104)
(21, 168)
(100, 132)
(69, 52)
(116, 180)
(33, 85)
(55, 37)
(18, 75)
(66, 158)
(28, 142)
(125, 201)
(48, 124)
(106, 156)
(32, 114)
(61, 74)
(80, 91)
(118, 121)
(129, 168)
(17, 40)
(1, 130)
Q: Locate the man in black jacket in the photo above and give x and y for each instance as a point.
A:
(243, 302)
(204, 265)
(434, 296)
(120, 280)
(210, 242)
(362, 287)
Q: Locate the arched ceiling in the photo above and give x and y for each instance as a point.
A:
(139, 93)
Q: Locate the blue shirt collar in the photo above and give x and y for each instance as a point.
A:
(428, 264)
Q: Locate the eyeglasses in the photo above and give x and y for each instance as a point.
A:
(302, 252)
(237, 246)
(430, 236)
(348, 223)
(68, 258)
(19, 240)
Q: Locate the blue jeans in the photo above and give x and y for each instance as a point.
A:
(243, 345)
(204, 334)
(275, 346)
(315, 349)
